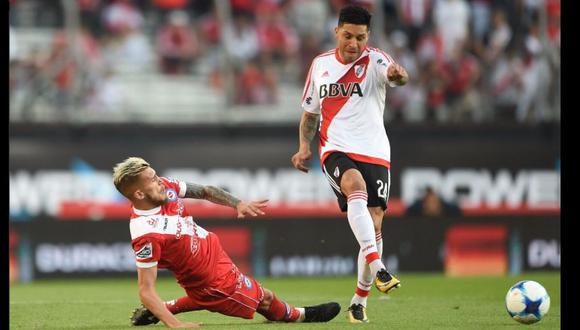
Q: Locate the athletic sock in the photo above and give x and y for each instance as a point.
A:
(360, 297)
(281, 311)
(379, 265)
(180, 305)
(364, 276)
(361, 223)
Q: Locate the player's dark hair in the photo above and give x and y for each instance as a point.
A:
(354, 15)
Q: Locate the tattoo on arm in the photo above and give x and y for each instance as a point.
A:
(194, 191)
(212, 194)
(220, 196)
(308, 128)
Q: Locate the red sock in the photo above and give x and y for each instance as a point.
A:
(362, 293)
(180, 305)
(281, 311)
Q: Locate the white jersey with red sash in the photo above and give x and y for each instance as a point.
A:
(351, 100)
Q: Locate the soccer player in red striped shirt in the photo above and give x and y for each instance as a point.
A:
(164, 235)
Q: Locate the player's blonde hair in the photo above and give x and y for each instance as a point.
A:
(126, 172)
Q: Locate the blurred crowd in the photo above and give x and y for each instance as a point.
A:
(469, 61)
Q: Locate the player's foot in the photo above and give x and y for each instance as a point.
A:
(321, 313)
(357, 313)
(142, 316)
(385, 282)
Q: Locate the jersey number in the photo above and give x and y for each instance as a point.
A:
(383, 190)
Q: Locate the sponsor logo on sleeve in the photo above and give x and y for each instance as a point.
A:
(145, 252)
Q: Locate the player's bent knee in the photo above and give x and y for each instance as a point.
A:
(352, 181)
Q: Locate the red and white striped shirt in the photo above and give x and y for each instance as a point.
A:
(351, 100)
(167, 237)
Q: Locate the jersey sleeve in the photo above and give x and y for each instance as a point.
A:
(147, 251)
(176, 185)
(382, 62)
(310, 99)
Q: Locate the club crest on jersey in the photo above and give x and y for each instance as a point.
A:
(244, 280)
(340, 89)
(247, 282)
(145, 252)
(359, 69)
(336, 172)
(171, 194)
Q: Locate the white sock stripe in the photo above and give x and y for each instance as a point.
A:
(365, 196)
(352, 198)
(359, 192)
(358, 195)
(364, 200)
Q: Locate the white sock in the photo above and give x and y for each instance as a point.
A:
(364, 283)
(361, 223)
(356, 299)
(302, 314)
(365, 277)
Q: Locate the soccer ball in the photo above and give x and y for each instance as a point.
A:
(527, 302)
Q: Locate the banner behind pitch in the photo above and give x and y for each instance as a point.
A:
(285, 247)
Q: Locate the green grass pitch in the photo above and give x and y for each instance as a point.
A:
(424, 301)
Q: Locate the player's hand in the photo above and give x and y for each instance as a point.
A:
(299, 159)
(186, 325)
(252, 208)
(397, 74)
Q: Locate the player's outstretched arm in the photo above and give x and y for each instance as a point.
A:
(397, 74)
(222, 197)
(307, 131)
(151, 300)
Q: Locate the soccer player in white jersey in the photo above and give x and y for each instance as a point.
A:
(345, 93)
(164, 235)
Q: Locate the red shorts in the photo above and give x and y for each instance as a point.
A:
(235, 295)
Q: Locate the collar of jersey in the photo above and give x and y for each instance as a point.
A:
(147, 212)
(337, 56)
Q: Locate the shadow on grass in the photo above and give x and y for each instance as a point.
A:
(213, 325)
